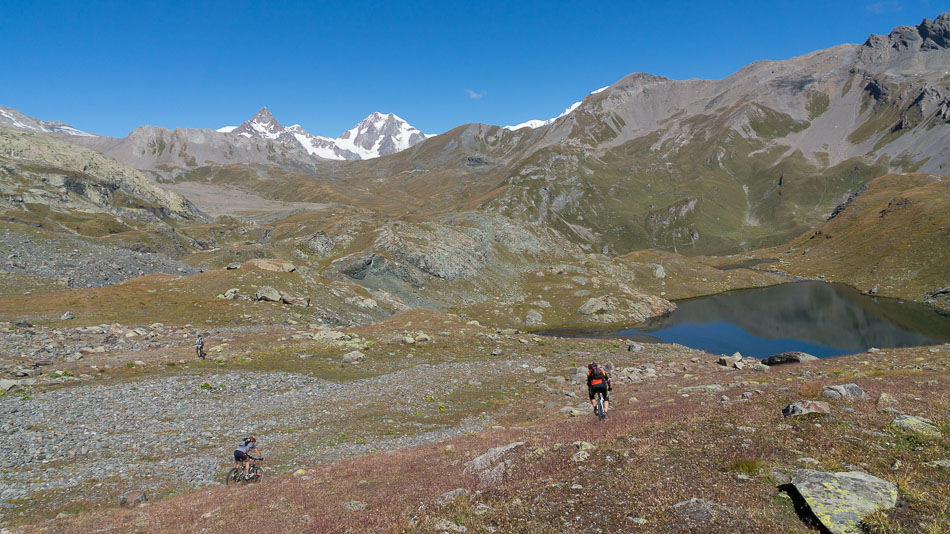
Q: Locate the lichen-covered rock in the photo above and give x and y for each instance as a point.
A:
(916, 425)
(841, 500)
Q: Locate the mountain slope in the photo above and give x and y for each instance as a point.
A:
(14, 119)
(893, 238)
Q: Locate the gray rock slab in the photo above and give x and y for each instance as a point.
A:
(841, 500)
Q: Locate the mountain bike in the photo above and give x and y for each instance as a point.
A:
(599, 409)
(254, 474)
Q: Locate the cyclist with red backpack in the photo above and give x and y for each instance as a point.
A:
(242, 454)
(598, 381)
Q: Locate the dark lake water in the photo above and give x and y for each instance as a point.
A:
(819, 318)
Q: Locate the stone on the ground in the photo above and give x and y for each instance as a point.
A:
(267, 294)
(841, 500)
(141, 499)
(844, 392)
(272, 264)
(583, 445)
(659, 272)
(886, 401)
(296, 301)
(734, 361)
(68, 316)
(446, 525)
(355, 506)
(233, 265)
(580, 456)
(939, 464)
(450, 496)
(916, 425)
(788, 357)
(539, 370)
(533, 317)
(593, 306)
(354, 357)
(497, 352)
(708, 389)
(803, 407)
(700, 514)
(489, 457)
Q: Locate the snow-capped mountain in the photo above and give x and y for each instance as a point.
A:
(537, 123)
(379, 135)
(376, 135)
(13, 118)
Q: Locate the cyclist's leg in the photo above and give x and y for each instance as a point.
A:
(593, 397)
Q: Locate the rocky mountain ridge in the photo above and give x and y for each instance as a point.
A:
(377, 135)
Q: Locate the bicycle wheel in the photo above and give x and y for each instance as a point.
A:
(256, 474)
(234, 475)
(601, 414)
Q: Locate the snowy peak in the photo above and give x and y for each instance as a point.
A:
(377, 135)
(15, 119)
(380, 135)
(263, 125)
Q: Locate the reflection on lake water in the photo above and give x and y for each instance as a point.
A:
(819, 318)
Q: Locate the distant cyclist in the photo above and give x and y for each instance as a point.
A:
(200, 347)
(242, 454)
(598, 381)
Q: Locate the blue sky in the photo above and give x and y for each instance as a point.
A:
(108, 67)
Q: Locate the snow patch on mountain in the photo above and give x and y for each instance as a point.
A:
(226, 129)
(536, 123)
(15, 119)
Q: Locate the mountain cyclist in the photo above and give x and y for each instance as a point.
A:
(200, 347)
(242, 454)
(598, 381)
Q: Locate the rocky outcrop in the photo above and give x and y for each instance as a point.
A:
(44, 170)
(632, 309)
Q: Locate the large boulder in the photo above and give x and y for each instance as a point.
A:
(844, 392)
(916, 425)
(267, 294)
(803, 407)
(788, 357)
(841, 500)
(272, 264)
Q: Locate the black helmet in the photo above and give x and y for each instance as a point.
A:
(592, 365)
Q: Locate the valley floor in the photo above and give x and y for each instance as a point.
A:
(500, 417)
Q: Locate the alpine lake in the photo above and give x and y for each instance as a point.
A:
(819, 318)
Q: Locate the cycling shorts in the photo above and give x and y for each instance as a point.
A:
(239, 456)
(592, 391)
